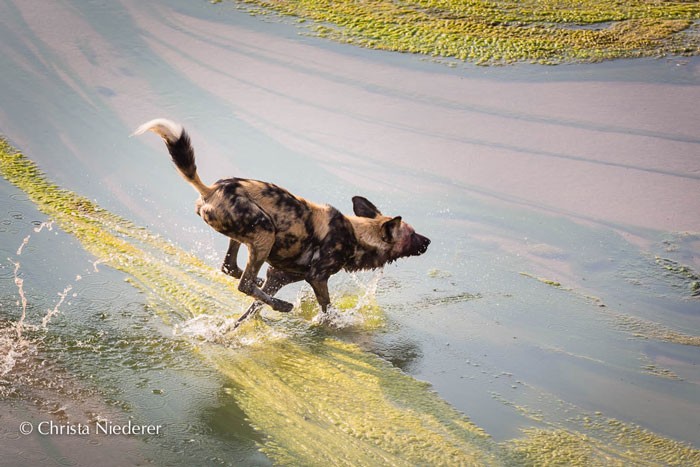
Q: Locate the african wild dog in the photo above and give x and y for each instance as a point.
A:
(300, 240)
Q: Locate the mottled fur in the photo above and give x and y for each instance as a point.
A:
(299, 239)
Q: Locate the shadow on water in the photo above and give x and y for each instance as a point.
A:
(402, 353)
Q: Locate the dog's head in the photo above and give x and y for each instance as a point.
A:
(391, 237)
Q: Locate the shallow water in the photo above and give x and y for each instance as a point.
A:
(553, 308)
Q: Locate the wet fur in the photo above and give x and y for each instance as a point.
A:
(299, 239)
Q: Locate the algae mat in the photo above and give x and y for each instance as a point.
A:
(316, 399)
(488, 32)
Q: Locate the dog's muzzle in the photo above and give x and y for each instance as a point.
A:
(419, 244)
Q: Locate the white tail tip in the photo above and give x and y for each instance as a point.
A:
(166, 129)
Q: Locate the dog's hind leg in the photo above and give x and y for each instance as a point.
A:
(257, 254)
(274, 281)
(230, 266)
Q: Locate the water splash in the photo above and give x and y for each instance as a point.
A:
(24, 243)
(217, 330)
(354, 307)
(98, 261)
(44, 225)
(14, 346)
(12, 342)
(14, 350)
(48, 225)
(11, 349)
(53, 312)
(337, 318)
(19, 282)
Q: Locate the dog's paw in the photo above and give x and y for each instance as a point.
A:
(282, 306)
(236, 272)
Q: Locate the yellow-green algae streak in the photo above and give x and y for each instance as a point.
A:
(316, 399)
(638, 327)
(504, 31)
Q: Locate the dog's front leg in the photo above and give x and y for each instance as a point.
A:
(320, 287)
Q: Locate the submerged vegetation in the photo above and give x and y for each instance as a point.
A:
(505, 31)
(682, 273)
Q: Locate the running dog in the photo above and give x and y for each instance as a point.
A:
(299, 239)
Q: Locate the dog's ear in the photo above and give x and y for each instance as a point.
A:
(390, 229)
(364, 208)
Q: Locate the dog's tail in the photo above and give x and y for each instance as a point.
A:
(180, 148)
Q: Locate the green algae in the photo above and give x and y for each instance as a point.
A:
(638, 327)
(462, 297)
(645, 329)
(554, 447)
(629, 444)
(591, 439)
(488, 32)
(330, 403)
(685, 275)
(594, 439)
(553, 283)
(315, 399)
(621, 445)
(660, 372)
